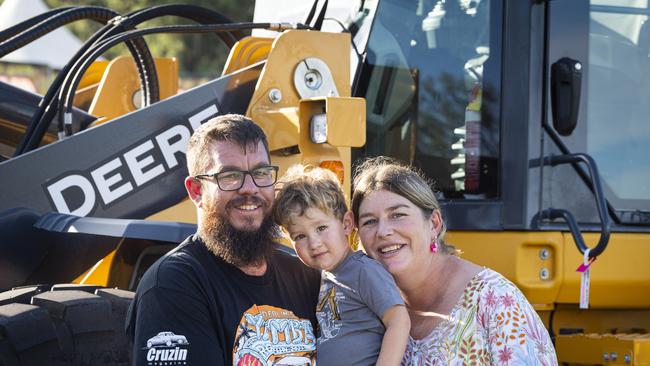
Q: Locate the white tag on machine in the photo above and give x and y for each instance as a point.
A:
(585, 279)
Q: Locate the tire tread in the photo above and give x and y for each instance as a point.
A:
(67, 325)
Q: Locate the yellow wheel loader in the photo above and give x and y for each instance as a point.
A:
(528, 115)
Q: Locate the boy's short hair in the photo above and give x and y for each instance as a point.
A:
(304, 187)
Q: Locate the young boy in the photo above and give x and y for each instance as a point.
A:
(362, 319)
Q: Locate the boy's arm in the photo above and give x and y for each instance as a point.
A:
(398, 325)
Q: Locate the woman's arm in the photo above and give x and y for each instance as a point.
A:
(398, 325)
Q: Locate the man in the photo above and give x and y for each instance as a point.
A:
(226, 296)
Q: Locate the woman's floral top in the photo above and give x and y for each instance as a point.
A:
(492, 324)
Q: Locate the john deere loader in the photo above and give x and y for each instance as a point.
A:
(531, 117)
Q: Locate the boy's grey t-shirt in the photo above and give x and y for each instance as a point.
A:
(352, 300)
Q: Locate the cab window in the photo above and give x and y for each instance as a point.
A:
(431, 81)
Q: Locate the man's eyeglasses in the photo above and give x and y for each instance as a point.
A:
(232, 180)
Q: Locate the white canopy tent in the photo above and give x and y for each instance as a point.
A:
(53, 50)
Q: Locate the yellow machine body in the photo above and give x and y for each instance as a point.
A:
(612, 331)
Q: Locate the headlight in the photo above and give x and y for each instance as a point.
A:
(318, 128)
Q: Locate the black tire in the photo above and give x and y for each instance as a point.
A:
(63, 326)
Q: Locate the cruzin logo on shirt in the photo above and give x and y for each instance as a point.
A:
(167, 348)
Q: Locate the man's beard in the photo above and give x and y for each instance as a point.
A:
(237, 247)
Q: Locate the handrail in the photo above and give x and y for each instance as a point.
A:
(601, 205)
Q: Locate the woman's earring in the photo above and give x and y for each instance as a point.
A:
(434, 246)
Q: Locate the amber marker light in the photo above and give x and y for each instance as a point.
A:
(335, 166)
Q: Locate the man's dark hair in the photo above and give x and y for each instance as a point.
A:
(233, 128)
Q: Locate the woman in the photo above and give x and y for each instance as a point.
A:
(461, 313)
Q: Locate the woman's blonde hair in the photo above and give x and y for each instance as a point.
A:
(384, 173)
(304, 187)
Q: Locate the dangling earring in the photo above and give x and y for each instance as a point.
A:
(434, 246)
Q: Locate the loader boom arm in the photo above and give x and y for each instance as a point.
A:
(130, 167)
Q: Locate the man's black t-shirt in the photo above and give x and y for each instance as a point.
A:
(192, 308)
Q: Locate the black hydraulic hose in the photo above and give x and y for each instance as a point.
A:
(36, 27)
(196, 13)
(66, 101)
(40, 121)
(318, 23)
(131, 20)
(143, 59)
(146, 70)
(112, 41)
(53, 22)
(193, 12)
(37, 125)
(312, 12)
(28, 23)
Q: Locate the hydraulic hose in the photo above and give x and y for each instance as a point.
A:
(40, 121)
(37, 126)
(53, 22)
(66, 100)
(196, 13)
(138, 48)
(140, 52)
(192, 12)
(28, 23)
(130, 21)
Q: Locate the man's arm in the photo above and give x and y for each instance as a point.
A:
(398, 325)
(172, 325)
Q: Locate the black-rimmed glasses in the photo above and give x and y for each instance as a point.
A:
(232, 180)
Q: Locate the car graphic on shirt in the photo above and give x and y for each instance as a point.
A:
(167, 339)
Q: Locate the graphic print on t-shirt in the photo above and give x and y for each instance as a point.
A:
(267, 336)
(327, 312)
(166, 348)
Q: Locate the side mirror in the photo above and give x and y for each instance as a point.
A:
(566, 78)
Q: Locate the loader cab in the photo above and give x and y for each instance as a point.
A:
(462, 90)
